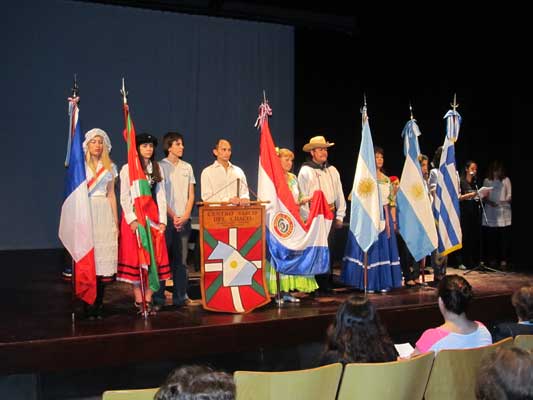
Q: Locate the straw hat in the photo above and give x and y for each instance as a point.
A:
(316, 142)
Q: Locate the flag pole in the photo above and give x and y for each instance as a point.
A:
(365, 272)
(141, 272)
(423, 260)
(74, 95)
(73, 104)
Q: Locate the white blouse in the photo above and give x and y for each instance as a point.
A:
(498, 214)
(127, 203)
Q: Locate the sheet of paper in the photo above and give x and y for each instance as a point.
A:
(484, 191)
(404, 349)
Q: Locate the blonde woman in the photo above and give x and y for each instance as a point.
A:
(289, 283)
(101, 174)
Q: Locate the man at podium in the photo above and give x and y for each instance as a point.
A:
(223, 181)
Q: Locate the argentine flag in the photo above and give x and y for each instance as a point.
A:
(446, 202)
(415, 217)
(296, 248)
(366, 209)
(75, 224)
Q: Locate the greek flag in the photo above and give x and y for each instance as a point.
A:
(446, 202)
(415, 218)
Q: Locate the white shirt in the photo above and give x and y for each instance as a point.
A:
(220, 184)
(178, 178)
(329, 181)
(127, 203)
(498, 215)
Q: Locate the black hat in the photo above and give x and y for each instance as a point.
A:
(145, 138)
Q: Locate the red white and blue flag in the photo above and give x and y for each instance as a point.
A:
(75, 225)
(296, 247)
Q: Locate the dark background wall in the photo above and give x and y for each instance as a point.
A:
(395, 55)
(200, 75)
(403, 56)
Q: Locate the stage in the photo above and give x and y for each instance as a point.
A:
(38, 327)
(39, 336)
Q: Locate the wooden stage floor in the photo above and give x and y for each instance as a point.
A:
(38, 334)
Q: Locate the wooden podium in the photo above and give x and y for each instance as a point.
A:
(232, 257)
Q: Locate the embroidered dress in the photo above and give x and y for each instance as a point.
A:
(301, 283)
(105, 232)
(384, 272)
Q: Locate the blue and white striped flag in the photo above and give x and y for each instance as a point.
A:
(446, 203)
(367, 211)
(415, 218)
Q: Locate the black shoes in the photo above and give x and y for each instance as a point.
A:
(93, 312)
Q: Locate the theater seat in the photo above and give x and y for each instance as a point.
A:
(134, 394)
(308, 384)
(400, 380)
(453, 376)
(524, 341)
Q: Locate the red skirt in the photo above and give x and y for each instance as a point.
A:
(128, 255)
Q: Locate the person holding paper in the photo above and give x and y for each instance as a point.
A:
(468, 257)
(497, 226)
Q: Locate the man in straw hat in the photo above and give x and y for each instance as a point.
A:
(317, 174)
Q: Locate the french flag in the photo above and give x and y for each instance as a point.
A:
(296, 248)
(75, 225)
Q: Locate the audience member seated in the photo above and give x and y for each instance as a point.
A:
(523, 304)
(457, 332)
(506, 374)
(197, 382)
(357, 335)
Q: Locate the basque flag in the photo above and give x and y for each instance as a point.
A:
(296, 248)
(75, 224)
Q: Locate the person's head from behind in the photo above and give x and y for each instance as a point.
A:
(506, 374)
(197, 382)
(174, 144)
(357, 333)
(455, 294)
(523, 303)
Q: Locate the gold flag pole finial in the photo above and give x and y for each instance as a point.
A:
(411, 110)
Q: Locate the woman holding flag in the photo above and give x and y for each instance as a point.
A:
(129, 264)
(306, 284)
(101, 173)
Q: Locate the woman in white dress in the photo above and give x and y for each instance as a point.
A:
(101, 173)
(497, 224)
